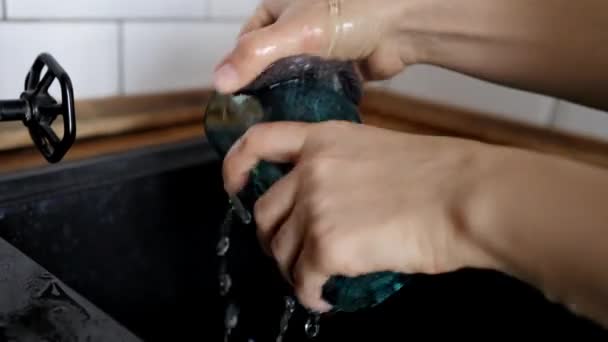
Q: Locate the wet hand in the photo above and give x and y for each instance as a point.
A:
(359, 199)
(368, 32)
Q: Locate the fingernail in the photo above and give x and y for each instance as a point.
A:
(225, 78)
(236, 184)
(320, 307)
(324, 307)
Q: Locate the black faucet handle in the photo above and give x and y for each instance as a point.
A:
(43, 109)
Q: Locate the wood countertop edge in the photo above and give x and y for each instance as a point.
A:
(394, 110)
(116, 124)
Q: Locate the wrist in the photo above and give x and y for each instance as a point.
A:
(541, 219)
(461, 37)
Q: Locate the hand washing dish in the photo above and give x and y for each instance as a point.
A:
(135, 234)
(307, 89)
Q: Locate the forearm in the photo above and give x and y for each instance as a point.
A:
(545, 220)
(555, 47)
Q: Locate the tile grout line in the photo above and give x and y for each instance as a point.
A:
(552, 113)
(4, 11)
(121, 57)
(208, 9)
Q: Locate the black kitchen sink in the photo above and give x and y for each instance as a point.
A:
(135, 235)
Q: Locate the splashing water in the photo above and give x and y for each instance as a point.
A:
(231, 320)
(313, 325)
(290, 307)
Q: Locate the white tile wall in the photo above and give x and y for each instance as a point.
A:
(105, 8)
(440, 85)
(88, 53)
(233, 8)
(574, 118)
(1, 9)
(167, 56)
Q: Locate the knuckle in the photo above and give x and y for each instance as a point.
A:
(320, 205)
(246, 47)
(248, 139)
(318, 231)
(314, 206)
(275, 246)
(318, 169)
(252, 139)
(299, 282)
(323, 247)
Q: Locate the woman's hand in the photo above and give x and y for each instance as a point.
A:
(509, 42)
(359, 199)
(355, 30)
(362, 199)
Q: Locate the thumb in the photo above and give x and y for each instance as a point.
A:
(256, 50)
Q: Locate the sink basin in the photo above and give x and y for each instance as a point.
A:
(135, 234)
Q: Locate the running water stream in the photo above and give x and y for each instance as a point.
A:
(231, 314)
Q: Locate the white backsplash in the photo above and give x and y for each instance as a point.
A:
(448, 87)
(88, 52)
(112, 47)
(168, 55)
(232, 8)
(577, 119)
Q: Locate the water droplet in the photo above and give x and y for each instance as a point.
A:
(59, 310)
(290, 306)
(222, 246)
(230, 320)
(312, 325)
(290, 303)
(227, 223)
(55, 290)
(46, 276)
(232, 316)
(225, 284)
(240, 210)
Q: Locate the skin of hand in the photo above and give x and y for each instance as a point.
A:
(354, 204)
(362, 199)
(357, 30)
(554, 47)
(539, 218)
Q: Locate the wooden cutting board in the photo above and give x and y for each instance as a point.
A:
(117, 124)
